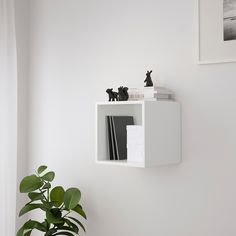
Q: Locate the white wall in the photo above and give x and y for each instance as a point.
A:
(77, 50)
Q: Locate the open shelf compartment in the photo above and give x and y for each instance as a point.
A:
(161, 123)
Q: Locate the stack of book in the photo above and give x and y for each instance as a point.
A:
(117, 136)
(149, 93)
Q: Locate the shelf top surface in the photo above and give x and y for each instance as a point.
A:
(130, 102)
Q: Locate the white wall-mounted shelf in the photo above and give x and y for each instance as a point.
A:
(161, 121)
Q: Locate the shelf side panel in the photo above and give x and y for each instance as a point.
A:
(162, 133)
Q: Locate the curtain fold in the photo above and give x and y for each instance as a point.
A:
(8, 117)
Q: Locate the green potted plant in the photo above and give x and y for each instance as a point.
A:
(56, 204)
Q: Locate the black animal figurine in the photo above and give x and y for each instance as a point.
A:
(148, 79)
(125, 90)
(112, 95)
(123, 93)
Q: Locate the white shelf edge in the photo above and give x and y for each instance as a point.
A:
(122, 163)
(140, 102)
(120, 103)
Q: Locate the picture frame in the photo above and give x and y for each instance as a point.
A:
(212, 46)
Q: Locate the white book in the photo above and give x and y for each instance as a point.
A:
(147, 90)
(155, 99)
(149, 99)
(135, 143)
(163, 96)
(135, 135)
(156, 96)
(135, 154)
(154, 88)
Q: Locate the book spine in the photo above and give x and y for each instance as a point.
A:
(115, 140)
(110, 152)
(112, 139)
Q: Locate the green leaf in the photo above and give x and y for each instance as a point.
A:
(56, 212)
(64, 233)
(20, 231)
(72, 225)
(32, 224)
(51, 218)
(28, 233)
(30, 207)
(68, 229)
(47, 205)
(72, 198)
(50, 232)
(78, 222)
(57, 195)
(46, 224)
(30, 183)
(49, 176)
(42, 169)
(36, 196)
(80, 211)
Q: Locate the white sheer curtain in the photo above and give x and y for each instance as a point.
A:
(8, 118)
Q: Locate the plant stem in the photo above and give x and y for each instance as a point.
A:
(66, 214)
(43, 195)
(48, 194)
(46, 198)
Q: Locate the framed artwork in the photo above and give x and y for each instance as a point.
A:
(216, 31)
